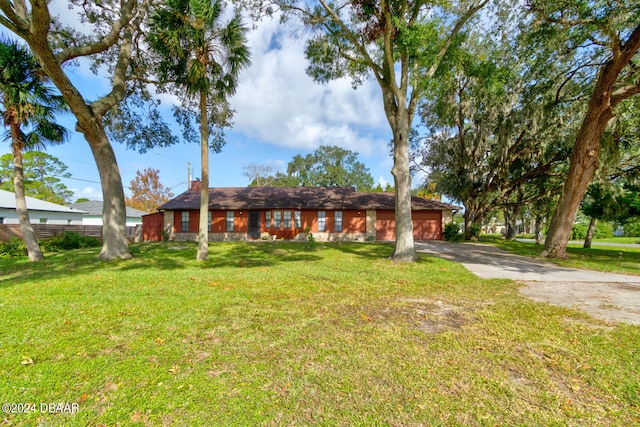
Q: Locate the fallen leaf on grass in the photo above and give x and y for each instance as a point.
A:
(365, 317)
(26, 361)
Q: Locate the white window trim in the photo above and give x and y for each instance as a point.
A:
(230, 220)
(323, 215)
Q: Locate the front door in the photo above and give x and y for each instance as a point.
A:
(254, 225)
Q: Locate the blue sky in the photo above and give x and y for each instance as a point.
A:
(280, 112)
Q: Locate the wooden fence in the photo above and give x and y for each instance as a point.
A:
(47, 231)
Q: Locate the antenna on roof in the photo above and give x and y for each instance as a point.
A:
(188, 175)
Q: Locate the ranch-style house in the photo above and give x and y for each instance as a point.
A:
(332, 214)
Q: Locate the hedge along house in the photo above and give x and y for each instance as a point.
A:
(332, 214)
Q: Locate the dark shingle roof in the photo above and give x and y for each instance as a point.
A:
(338, 198)
(94, 207)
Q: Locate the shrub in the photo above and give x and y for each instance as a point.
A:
(476, 229)
(15, 247)
(451, 232)
(632, 228)
(525, 236)
(604, 230)
(311, 244)
(69, 240)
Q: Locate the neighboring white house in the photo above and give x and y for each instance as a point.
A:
(93, 208)
(40, 212)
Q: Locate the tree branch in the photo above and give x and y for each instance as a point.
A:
(562, 21)
(456, 29)
(353, 39)
(128, 11)
(12, 20)
(118, 92)
(623, 93)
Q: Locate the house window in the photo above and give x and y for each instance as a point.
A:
(43, 220)
(297, 219)
(184, 222)
(267, 219)
(322, 221)
(1, 220)
(337, 222)
(229, 220)
(287, 219)
(277, 219)
(209, 222)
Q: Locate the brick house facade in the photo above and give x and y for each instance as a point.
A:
(332, 214)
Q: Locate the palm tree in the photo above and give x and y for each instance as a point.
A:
(200, 55)
(26, 102)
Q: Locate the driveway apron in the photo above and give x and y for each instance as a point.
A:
(613, 297)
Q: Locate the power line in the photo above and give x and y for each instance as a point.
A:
(78, 179)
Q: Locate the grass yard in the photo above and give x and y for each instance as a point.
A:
(269, 334)
(612, 259)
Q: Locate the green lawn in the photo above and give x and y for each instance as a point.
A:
(613, 259)
(269, 334)
(635, 240)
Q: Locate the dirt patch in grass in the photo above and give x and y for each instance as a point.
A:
(613, 302)
(429, 316)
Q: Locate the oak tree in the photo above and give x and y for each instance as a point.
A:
(147, 192)
(491, 132)
(399, 44)
(606, 34)
(112, 29)
(328, 166)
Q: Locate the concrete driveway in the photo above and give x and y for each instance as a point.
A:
(613, 297)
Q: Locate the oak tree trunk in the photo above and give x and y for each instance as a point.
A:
(584, 163)
(89, 123)
(584, 158)
(538, 230)
(404, 250)
(511, 218)
(473, 214)
(590, 232)
(203, 226)
(28, 234)
(468, 222)
(114, 216)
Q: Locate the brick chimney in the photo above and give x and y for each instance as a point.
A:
(196, 185)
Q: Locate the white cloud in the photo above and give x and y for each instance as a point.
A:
(279, 104)
(383, 182)
(277, 165)
(90, 193)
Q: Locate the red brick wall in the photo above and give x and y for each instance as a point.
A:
(427, 224)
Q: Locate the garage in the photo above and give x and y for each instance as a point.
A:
(427, 225)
